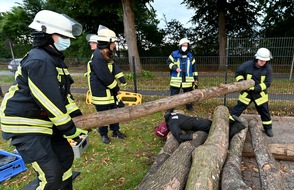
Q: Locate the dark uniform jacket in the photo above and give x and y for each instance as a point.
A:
(40, 98)
(262, 78)
(178, 122)
(102, 79)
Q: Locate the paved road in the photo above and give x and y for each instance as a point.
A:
(159, 93)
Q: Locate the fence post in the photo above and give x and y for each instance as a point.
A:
(291, 70)
(227, 65)
(134, 71)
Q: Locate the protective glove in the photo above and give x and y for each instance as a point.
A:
(76, 134)
(195, 84)
(252, 88)
(123, 84)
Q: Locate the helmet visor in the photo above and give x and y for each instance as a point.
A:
(77, 28)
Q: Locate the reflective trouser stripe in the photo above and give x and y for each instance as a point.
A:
(263, 99)
(267, 122)
(243, 98)
(42, 178)
(67, 174)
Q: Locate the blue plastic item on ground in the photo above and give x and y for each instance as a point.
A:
(12, 168)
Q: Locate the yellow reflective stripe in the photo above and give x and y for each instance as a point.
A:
(110, 67)
(71, 107)
(7, 96)
(263, 86)
(240, 77)
(262, 100)
(118, 75)
(61, 119)
(243, 98)
(25, 121)
(62, 71)
(22, 129)
(41, 176)
(249, 76)
(112, 85)
(186, 85)
(43, 99)
(108, 99)
(189, 79)
(195, 73)
(267, 122)
(67, 174)
(193, 61)
(262, 79)
(188, 66)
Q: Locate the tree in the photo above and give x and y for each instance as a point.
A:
(279, 14)
(219, 19)
(130, 34)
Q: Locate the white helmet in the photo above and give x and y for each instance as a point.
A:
(106, 35)
(263, 54)
(92, 38)
(51, 22)
(183, 41)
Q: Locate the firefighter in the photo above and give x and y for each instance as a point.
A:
(93, 40)
(260, 71)
(102, 74)
(183, 72)
(36, 112)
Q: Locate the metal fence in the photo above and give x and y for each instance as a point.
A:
(154, 81)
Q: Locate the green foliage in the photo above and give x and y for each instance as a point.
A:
(147, 74)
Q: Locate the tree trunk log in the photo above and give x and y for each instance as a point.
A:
(169, 147)
(231, 174)
(279, 151)
(172, 174)
(209, 158)
(93, 120)
(270, 175)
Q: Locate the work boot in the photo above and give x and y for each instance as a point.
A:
(189, 107)
(105, 139)
(269, 132)
(235, 126)
(118, 134)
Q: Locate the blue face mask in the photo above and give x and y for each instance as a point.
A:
(62, 44)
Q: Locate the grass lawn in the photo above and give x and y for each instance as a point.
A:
(123, 163)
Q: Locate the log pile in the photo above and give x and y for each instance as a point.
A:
(215, 164)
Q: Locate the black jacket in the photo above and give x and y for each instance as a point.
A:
(178, 122)
(40, 98)
(262, 78)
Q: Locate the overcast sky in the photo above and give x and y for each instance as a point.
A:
(172, 9)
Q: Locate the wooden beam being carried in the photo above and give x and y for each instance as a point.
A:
(93, 120)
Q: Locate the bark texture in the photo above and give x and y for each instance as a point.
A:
(93, 120)
(169, 147)
(270, 175)
(208, 159)
(231, 174)
(172, 174)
